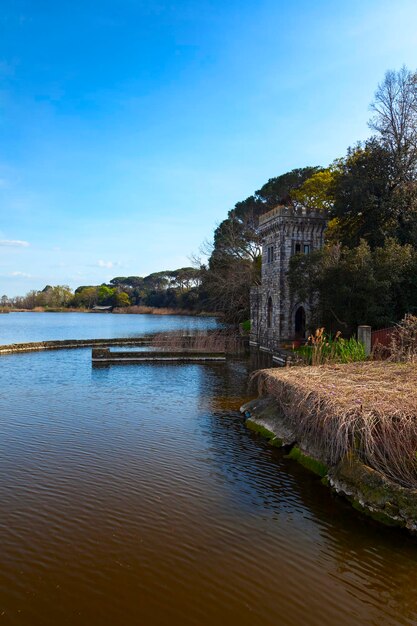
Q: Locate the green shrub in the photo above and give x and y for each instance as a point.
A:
(246, 326)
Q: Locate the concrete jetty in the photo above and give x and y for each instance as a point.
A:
(105, 356)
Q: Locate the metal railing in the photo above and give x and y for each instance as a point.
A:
(382, 337)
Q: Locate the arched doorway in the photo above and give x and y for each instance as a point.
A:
(300, 323)
(269, 313)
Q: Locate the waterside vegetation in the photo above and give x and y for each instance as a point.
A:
(367, 408)
(322, 348)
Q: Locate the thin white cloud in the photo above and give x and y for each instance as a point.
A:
(21, 274)
(14, 243)
(107, 264)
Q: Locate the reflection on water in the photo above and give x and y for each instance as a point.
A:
(135, 495)
(22, 327)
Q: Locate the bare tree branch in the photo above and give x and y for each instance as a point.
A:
(395, 119)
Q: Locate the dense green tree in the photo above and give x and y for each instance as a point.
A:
(105, 295)
(85, 297)
(317, 191)
(185, 278)
(346, 286)
(121, 299)
(279, 190)
(369, 202)
(54, 296)
(395, 268)
(127, 281)
(362, 192)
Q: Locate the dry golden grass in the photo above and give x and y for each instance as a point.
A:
(200, 341)
(367, 407)
(214, 341)
(153, 310)
(403, 346)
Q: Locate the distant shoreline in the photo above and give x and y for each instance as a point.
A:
(129, 310)
(151, 310)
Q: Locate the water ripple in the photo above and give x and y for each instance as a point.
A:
(136, 495)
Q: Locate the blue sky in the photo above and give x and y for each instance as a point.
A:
(129, 128)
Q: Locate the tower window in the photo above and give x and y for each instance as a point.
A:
(270, 254)
(301, 248)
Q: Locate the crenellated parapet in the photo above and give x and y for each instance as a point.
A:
(282, 211)
(292, 221)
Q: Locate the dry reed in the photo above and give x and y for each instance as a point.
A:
(323, 349)
(199, 341)
(369, 408)
(153, 310)
(403, 345)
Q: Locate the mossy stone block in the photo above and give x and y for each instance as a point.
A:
(264, 432)
(308, 462)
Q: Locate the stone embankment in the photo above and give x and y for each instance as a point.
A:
(65, 344)
(309, 413)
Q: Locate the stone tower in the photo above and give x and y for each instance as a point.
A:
(276, 318)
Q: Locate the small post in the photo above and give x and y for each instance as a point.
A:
(365, 336)
(100, 353)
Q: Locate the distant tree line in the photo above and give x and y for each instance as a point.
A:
(171, 288)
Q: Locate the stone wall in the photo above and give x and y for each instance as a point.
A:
(65, 344)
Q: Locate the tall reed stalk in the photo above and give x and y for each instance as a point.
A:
(403, 345)
(322, 348)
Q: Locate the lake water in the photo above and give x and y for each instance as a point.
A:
(23, 327)
(135, 495)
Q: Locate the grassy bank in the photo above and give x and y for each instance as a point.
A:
(369, 409)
